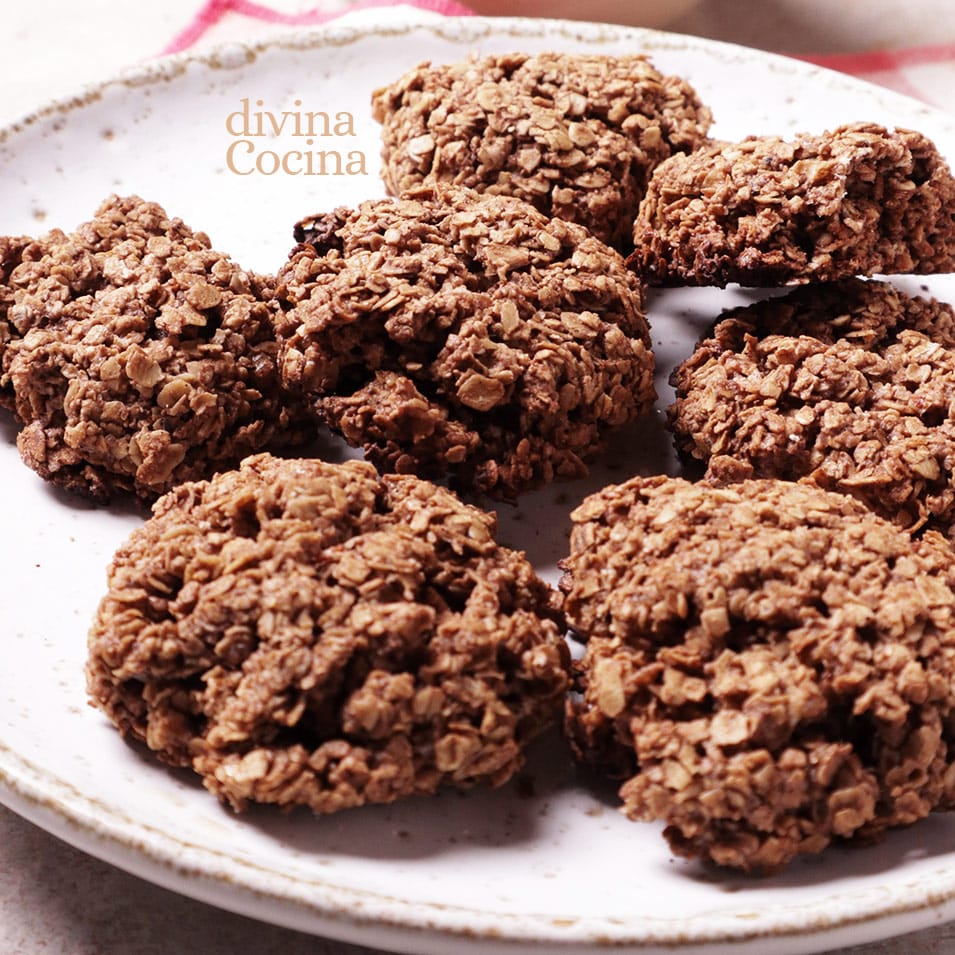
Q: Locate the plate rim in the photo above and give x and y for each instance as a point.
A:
(29, 796)
(157, 857)
(236, 54)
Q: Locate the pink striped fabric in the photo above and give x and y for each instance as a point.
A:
(212, 11)
(914, 71)
(897, 69)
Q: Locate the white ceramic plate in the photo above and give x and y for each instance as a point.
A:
(547, 863)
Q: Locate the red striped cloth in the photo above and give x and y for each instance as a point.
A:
(213, 11)
(900, 69)
(926, 72)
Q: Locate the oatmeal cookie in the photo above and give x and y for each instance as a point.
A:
(12, 249)
(856, 201)
(142, 357)
(848, 385)
(770, 667)
(575, 135)
(305, 633)
(453, 333)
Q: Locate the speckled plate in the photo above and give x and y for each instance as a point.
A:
(547, 863)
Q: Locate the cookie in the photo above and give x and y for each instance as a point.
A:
(305, 633)
(848, 385)
(450, 333)
(859, 200)
(141, 357)
(575, 135)
(12, 250)
(769, 666)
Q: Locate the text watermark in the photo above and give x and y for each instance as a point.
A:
(321, 147)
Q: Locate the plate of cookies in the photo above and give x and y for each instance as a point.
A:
(484, 485)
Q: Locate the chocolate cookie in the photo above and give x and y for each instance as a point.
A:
(139, 357)
(575, 135)
(859, 200)
(848, 385)
(304, 633)
(12, 250)
(453, 333)
(769, 666)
